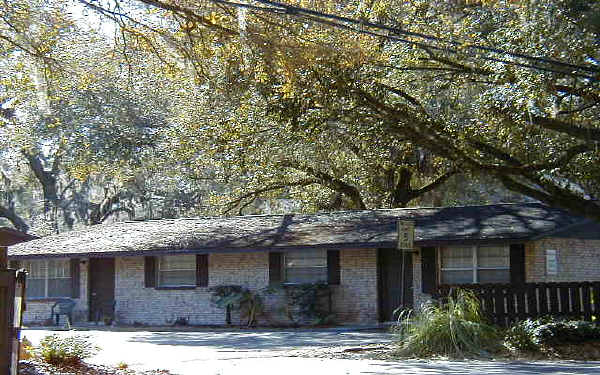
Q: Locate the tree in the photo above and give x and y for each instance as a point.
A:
(531, 125)
(86, 132)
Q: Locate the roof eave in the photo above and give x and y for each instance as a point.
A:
(220, 250)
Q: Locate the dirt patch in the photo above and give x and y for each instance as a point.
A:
(589, 351)
(42, 368)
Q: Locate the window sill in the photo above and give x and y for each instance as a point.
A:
(177, 287)
(298, 284)
(48, 299)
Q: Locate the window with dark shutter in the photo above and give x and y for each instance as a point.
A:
(49, 278)
(429, 269)
(305, 266)
(202, 270)
(333, 267)
(275, 267)
(149, 272)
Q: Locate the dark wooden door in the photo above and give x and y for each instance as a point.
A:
(390, 282)
(102, 288)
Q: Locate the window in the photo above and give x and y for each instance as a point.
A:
(177, 270)
(48, 278)
(305, 266)
(475, 264)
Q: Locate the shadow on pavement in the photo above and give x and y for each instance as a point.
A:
(260, 340)
(487, 367)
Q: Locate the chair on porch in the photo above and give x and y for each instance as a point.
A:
(63, 306)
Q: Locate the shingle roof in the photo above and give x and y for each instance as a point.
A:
(345, 229)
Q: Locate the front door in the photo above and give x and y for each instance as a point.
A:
(102, 288)
(392, 295)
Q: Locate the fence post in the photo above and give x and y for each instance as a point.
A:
(3, 257)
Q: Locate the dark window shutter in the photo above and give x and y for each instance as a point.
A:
(275, 267)
(517, 263)
(75, 277)
(202, 270)
(429, 270)
(333, 267)
(14, 264)
(149, 272)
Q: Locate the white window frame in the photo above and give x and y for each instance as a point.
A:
(45, 277)
(285, 268)
(159, 270)
(474, 266)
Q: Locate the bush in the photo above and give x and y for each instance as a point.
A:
(519, 337)
(236, 297)
(58, 350)
(546, 332)
(456, 329)
(565, 332)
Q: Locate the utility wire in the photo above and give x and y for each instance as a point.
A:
(329, 19)
(293, 9)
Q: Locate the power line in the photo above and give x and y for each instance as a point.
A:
(294, 9)
(325, 18)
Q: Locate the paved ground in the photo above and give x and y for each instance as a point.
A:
(219, 352)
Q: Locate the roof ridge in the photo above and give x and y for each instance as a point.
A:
(332, 212)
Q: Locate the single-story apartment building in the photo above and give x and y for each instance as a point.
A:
(158, 271)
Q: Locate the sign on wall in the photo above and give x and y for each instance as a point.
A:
(406, 234)
(551, 262)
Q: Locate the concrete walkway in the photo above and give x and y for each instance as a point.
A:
(265, 352)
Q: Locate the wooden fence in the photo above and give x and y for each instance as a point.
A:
(504, 304)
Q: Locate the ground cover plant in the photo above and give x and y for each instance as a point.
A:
(456, 328)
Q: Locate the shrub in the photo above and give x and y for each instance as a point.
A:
(26, 349)
(546, 332)
(565, 332)
(306, 303)
(72, 350)
(520, 335)
(456, 329)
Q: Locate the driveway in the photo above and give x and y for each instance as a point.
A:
(265, 352)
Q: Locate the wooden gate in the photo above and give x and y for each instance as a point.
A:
(504, 304)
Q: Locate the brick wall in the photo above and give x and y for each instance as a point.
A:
(419, 298)
(162, 307)
(38, 312)
(354, 301)
(578, 260)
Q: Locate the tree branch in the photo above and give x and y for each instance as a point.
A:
(255, 193)
(15, 219)
(331, 182)
(434, 184)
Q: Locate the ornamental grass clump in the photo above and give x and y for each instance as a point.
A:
(65, 351)
(456, 328)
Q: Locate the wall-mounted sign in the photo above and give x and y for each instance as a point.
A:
(406, 234)
(551, 262)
